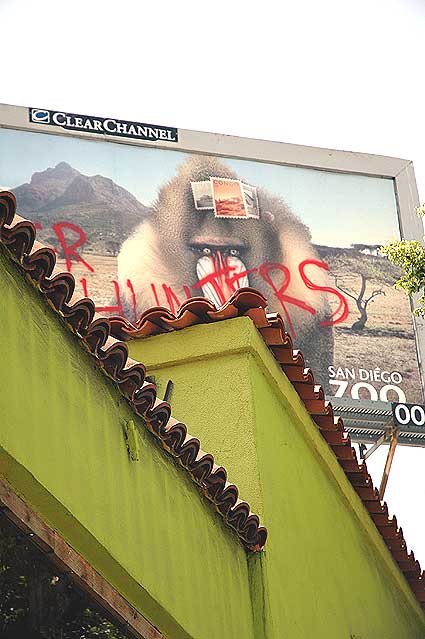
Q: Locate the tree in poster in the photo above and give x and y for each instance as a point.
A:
(361, 278)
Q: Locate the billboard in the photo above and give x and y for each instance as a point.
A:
(146, 215)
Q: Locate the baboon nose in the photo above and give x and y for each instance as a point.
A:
(220, 275)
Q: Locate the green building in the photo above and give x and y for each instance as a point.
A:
(274, 531)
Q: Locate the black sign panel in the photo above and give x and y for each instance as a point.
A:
(103, 126)
(408, 416)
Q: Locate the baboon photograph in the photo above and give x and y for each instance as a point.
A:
(140, 227)
(180, 245)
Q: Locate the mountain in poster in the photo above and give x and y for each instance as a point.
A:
(106, 212)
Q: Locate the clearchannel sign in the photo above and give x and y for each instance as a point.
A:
(103, 126)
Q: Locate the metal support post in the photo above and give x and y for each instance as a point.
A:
(388, 463)
(384, 438)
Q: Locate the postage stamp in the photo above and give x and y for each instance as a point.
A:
(228, 198)
(202, 195)
(251, 200)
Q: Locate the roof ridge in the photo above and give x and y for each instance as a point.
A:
(78, 313)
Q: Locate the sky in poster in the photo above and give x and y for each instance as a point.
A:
(339, 209)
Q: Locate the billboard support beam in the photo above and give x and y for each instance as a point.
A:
(389, 461)
(384, 438)
(390, 435)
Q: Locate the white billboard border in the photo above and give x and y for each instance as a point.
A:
(399, 170)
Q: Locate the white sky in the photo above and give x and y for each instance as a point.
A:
(344, 75)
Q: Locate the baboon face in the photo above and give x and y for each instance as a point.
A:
(180, 246)
(195, 242)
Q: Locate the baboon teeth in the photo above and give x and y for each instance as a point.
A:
(218, 275)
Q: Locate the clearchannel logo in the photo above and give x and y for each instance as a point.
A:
(103, 126)
(40, 115)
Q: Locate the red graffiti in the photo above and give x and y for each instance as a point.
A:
(239, 276)
(69, 250)
(118, 309)
(341, 313)
(223, 281)
(265, 270)
(218, 279)
(172, 298)
(133, 299)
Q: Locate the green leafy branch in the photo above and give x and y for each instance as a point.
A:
(410, 256)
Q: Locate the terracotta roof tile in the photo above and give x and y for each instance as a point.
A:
(247, 302)
(58, 288)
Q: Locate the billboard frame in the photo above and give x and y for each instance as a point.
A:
(401, 171)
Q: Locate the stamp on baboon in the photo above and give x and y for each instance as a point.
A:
(251, 200)
(202, 195)
(228, 198)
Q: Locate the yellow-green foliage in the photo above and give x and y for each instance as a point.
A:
(410, 255)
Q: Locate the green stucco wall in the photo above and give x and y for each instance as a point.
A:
(325, 571)
(325, 575)
(208, 366)
(144, 526)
